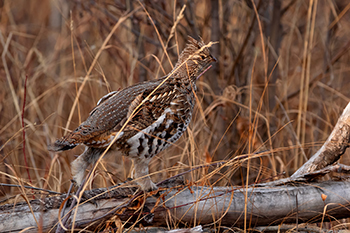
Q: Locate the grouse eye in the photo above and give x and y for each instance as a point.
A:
(202, 57)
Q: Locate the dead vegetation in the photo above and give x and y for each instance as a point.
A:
(279, 86)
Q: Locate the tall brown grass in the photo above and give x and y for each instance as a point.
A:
(278, 88)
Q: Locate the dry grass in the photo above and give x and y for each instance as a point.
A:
(279, 86)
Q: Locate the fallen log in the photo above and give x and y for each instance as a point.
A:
(198, 205)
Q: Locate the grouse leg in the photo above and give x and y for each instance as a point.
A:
(80, 164)
(141, 175)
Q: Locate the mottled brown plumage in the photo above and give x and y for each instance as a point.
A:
(146, 117)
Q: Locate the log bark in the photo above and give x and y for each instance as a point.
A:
(197, 205)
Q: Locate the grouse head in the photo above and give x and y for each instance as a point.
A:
(194, 59)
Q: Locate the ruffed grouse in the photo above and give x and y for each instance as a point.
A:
(146, 118)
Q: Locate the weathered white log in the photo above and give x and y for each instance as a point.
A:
(201, 205)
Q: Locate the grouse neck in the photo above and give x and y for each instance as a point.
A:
(184, 77)
(185, 72)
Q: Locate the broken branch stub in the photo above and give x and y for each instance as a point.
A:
(332, 149)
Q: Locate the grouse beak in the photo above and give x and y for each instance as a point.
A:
(213, 59)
